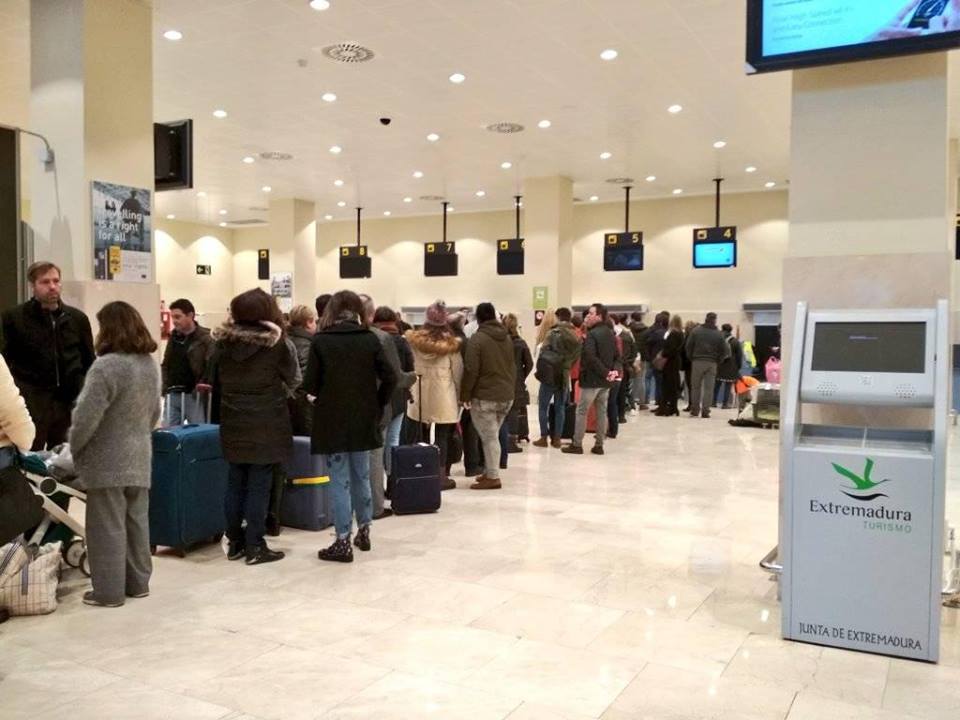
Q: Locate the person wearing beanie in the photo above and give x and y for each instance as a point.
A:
(489, 388)
(438, 362)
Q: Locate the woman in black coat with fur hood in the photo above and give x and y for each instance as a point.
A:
(253, 368)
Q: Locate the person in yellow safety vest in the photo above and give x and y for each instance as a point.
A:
(749, 363)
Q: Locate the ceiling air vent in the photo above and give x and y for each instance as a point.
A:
(247, 223)
(620, 181)
(432, 198)
(348, 53)
(254, 208)
(505, 128)
(275, 156)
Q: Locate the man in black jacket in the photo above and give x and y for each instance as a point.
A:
(598, 370)
(184, 364)
(49, 348)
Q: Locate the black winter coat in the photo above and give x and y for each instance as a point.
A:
(524, 360)
(251, 371)
(48, 351)
(729, 369)
(353, 382)
(600, 356)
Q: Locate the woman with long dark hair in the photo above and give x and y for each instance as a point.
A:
(112, 450)
(673, 352)
(352, 381)
(253, 370)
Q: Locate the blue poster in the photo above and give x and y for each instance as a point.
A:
(122, 233)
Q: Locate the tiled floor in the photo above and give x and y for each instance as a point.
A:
(621, 587)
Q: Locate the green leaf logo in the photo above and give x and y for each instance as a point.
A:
(861, 483)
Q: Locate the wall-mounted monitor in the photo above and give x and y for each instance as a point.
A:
(715, 254)
(787, 34)
(355, 262)
(510, 257)
(173, 155)
(440, 259)
(623, 251)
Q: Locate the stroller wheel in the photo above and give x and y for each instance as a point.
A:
(74, 553)
(84, 564)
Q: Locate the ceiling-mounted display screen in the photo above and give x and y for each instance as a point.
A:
(786, 34)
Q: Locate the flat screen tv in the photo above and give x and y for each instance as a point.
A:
(788, 34)
(715, 254)
(173, 155)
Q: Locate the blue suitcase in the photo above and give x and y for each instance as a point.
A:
(189, 484)
(306, 500)
(414, 482)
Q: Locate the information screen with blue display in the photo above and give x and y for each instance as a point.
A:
(783, 34)
(715, 247)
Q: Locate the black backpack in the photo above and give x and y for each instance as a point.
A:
(549, 367)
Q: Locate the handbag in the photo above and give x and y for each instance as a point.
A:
(455, 446)
(660, 361)
(20, 507)
(33, 591)
(12, 559)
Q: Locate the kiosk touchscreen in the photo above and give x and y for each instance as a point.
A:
(862, 508)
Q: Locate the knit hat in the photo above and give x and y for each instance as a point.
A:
(437, 314)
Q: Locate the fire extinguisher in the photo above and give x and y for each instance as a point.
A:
(166, 321)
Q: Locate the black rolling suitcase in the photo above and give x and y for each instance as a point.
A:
(415, 475)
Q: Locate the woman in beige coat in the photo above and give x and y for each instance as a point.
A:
(16, 426)
(438, 362)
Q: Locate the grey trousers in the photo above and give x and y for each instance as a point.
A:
(488, 416)
(118, 542)
(377, 472)
(592, 396)
(702, 380)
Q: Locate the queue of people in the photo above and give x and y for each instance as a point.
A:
(349, 375)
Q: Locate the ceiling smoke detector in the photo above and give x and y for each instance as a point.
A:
(348, 53)
(620, 181)
(506, 128)
(432, 198)
(275, 156)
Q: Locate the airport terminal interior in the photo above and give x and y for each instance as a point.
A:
(781, 173)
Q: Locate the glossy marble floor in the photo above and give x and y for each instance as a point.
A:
(621, 587)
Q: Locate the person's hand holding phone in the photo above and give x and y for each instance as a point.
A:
(895, 29)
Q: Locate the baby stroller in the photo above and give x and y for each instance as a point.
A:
(53, 478)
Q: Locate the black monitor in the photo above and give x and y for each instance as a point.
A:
(787, 34)
(173, 155)
(870, 347)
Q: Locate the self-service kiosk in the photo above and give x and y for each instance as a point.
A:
(862, 509)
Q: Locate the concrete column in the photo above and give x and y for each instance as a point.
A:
(293, 246)
(548, 231)
(92, 97)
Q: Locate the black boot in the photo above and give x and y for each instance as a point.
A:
(512, 446)
(273, 525)
(236, 550)
(340, 551)
(263, 554)
(362, 540)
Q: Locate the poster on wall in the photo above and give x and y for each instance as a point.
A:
(281, 287)
(122, 234)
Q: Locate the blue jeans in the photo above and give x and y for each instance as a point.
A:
(391, 440)
(652, 380)
(613, 409)
(8, 456)
(248, 498)
(350, 490)
(558, 395)
(504, 436)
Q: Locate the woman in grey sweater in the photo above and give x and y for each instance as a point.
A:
(111, 445)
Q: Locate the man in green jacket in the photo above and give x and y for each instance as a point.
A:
(488, 388)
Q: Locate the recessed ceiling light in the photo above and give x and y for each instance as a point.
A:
(651, 178)
(408, 199)
(223, 212)
(481, 193)
(338, 182)
(594, 198)
(320, 5)
(387, 213)
(336, 149)
(328, 217)
(223, 224)
(171, 217)
(266, 188)
(609, 54)
(678, 191)
(341, 204)
(751, 169)
(201, 194)
(329, 97)
(674, 109)
(720, 144)
(417, 174)
(770, 184)
(506, 165)
(451, 209)
(220, 114)
(457, 78)
(606, 155)
(433, 137)
(249, 159)
(544, 124)
(173, 35)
